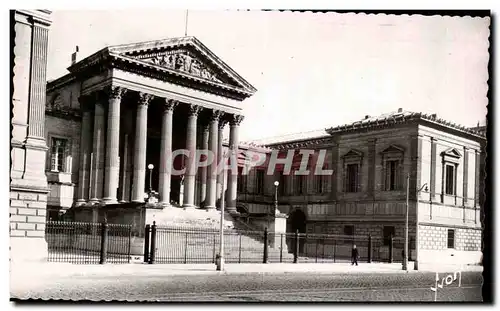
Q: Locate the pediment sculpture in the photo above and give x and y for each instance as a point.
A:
(185, 63)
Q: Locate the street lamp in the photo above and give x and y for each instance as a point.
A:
(415, 265)
(220, 262)
(150, 167)
(405, 259)
(276, 184)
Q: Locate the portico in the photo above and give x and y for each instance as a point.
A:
(141, 102)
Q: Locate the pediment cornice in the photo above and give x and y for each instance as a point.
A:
(185, 60)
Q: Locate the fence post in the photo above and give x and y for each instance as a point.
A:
(239, 249)
(391, 258)
(129, 242)
(296, 248)
(334, 249)
(266, 246)
(146, 243)
(281, 248)
(317, 249)
(152, 251)
(104, 242)
(370, 248)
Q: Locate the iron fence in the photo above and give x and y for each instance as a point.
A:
(202, 245)
(88, 243)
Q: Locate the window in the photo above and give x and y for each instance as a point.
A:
(57, 155)
(451, 238)
(352, 177)
(259, 181)
(392, 161)
(392, 174)
(450, 179)
(299, 184)
(389, 232)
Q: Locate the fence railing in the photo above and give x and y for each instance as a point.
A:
(202, 245)
(88, 243)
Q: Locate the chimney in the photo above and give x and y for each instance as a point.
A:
(400, 110)
(74, 56)
(367, 117)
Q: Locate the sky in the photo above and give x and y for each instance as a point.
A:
(311, 71)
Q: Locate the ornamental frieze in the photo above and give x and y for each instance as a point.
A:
(184, 62)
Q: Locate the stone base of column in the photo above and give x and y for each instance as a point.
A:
(80, 203)
(189, 206)
(107, 201)
(28, 250)
(232, 210)
(209, 208)
(94, 201)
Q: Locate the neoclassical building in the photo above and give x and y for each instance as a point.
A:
(372, 160)
(128, 106)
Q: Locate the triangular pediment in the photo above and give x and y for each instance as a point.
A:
(393, 149)
(187, 57)
(452, 152)
(353, 153)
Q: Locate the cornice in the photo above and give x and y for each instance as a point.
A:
(409, 118)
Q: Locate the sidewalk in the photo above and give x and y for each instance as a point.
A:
(61, 270)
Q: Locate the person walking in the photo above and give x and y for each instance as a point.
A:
(354, 255)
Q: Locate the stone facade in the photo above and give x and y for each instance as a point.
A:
(28, 186)
(442, 161)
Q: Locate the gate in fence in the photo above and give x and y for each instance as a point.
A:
(88, 243)
(202, 245)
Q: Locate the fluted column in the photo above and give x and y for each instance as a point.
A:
(140, 147)
(166, 152)
(190, 174)
(85, 149)
(97, 157)
(220, 152)
(233, 175)
(112, 169)
(203, 169)
(213, 146)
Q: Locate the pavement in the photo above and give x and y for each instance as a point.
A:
(165, 283)
(24, 272)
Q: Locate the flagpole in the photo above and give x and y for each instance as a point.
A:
(186, 26)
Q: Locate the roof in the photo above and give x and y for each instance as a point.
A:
(397, 117)
(298, 136)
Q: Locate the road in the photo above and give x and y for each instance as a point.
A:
(256, 288)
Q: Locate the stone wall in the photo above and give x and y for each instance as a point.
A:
(27, 214)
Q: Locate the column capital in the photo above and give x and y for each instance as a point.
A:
(115, 92)
(145, 98)
(194, 110)
(236, 119)
(216, 115)
(170, 104)
(222, 123)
